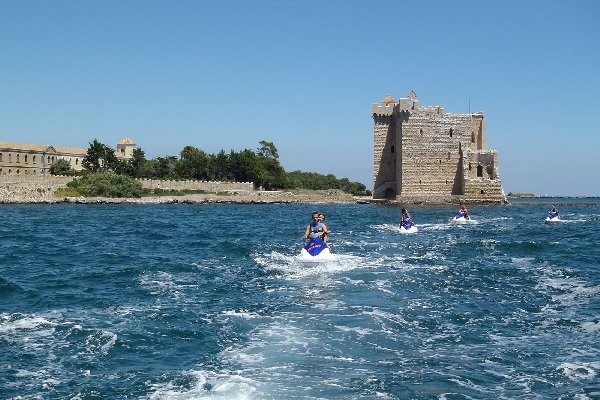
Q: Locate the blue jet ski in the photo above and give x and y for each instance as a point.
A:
(408, 227)
(315, 251)
(553, 217)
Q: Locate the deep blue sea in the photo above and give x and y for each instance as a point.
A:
(209, 302)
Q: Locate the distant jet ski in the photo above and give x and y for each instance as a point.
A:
(408, 227)
(553, 217)
(461, 219)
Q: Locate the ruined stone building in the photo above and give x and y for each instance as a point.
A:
(36, 159)
(425, 153)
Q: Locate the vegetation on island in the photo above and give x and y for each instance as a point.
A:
(108, 176)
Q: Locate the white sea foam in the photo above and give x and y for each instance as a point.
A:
(566, 292)
(591, 327)
(9, 325)
(162, 284)
(359, 331)
(208, 386)
(241, 314)
(292, 267)
(101, 341)
(577, 372)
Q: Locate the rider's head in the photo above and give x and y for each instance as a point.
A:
(404, 211)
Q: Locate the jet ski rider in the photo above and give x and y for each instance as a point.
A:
(406, 216)
(316, 228)
(463, 210)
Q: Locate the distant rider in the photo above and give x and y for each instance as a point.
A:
(554, 212)
(316, 228)
(465, 213)
(406, 216)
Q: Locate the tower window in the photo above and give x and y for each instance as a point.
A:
(480, 171)
(451, 132)
(392, 149)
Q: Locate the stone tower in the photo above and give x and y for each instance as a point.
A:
(125, 149)
(424, 153)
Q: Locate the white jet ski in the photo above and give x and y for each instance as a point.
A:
(315, 252)
(408, 227)
(553, 217)
(459, 218)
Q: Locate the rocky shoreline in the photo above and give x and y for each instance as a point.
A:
(243, 197)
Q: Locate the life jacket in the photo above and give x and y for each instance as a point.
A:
(316, 230)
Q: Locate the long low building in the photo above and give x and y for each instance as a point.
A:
(36, 159)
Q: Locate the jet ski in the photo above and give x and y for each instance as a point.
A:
(315, 252)
(460, 218)
(408, 227)
(553, 217)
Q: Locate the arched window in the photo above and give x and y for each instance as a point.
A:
(473, 139)
(33, 159)
(25, 158)
(0, 156)
(18, 160)
(451, 132)
(9, 157)
(392, 149)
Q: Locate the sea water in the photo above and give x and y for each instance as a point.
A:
(210, 302)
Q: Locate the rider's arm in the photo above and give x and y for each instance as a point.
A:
(325, 233)
(307, 233)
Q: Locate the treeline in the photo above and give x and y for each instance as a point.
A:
(260, 166)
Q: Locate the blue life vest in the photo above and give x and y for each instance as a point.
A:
(316, 230)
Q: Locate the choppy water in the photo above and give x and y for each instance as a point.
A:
(208, 302)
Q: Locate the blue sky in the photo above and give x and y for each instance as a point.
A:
(304, 75)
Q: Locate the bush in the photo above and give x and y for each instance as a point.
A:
(106, 184)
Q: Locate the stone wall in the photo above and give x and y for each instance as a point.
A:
(384, 168)
(30, 188)
(40, 188)
(206, 186)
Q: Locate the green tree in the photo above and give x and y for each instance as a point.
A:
(267, 150)
(193, 164)
(106, 184)
(219, 167)
(165, 167)
(138, 161)
(244, 166)
(100, 157)
(61, 167)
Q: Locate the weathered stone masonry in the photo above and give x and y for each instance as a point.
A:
(423, 152)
